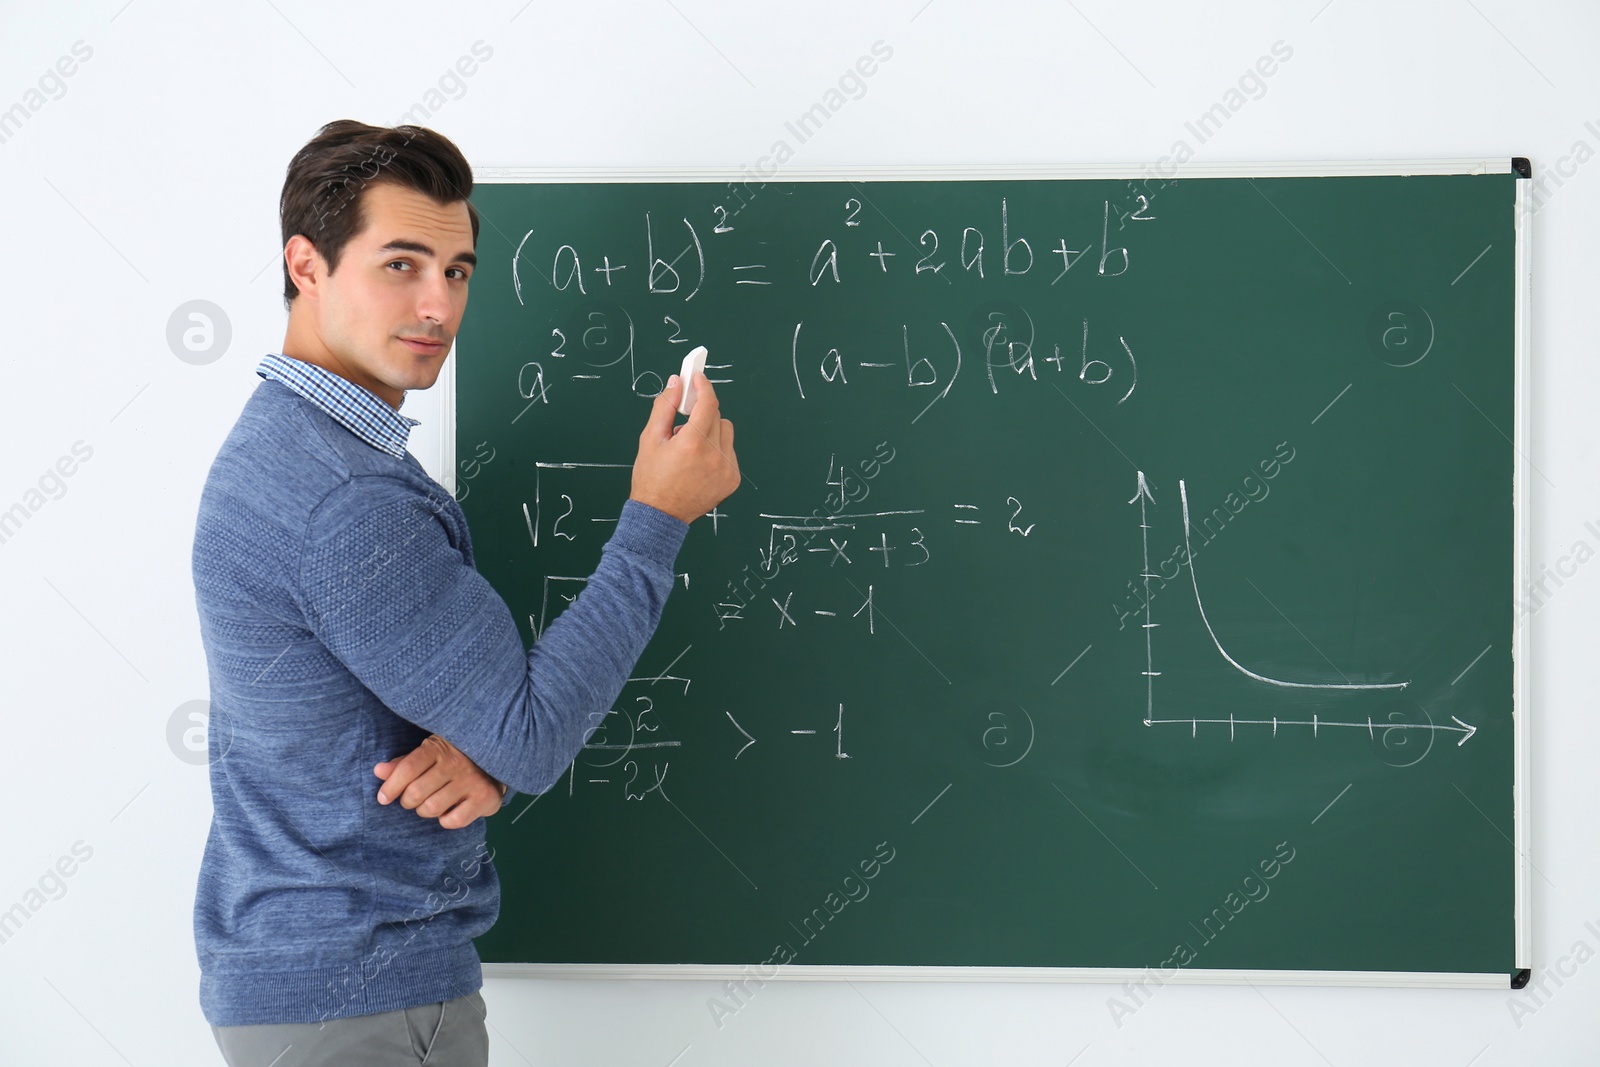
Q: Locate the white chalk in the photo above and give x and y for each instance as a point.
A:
(694, 363)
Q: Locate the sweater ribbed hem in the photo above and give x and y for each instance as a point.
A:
(250, 998)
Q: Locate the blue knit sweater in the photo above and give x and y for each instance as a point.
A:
(343, 621)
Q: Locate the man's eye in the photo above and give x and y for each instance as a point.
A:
(399, 263)
(461, 273)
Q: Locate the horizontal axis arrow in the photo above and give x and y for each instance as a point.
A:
(1316, 723)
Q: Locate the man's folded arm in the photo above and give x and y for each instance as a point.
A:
(396, 602)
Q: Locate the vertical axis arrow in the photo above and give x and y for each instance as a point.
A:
(1141, 495)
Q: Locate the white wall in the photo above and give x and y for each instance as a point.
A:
(153, 180)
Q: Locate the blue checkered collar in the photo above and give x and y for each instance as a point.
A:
(359, 410)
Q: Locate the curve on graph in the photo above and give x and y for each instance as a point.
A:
(1183, 496)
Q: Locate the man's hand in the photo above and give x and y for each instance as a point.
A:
(437, 780)
(685, 474)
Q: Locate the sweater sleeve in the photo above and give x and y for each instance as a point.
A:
(395, 601)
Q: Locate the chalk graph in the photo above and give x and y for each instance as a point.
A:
(1144, 498)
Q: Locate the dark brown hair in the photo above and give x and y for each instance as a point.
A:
(322, 190)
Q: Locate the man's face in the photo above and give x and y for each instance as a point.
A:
(388, 315)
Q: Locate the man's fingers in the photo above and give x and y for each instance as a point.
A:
(474, 806)
(426, 784)
(664, 410)
(706, 416)
(406, 771)
(439, 781)
(441, 799)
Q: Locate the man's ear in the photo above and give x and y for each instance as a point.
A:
(306, 265)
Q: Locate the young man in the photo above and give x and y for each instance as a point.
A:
(344, 625)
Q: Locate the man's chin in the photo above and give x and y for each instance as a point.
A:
(423, 373)
(420, 379)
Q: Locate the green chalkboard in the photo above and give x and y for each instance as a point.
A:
(1123, 572)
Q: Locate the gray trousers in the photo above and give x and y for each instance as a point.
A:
(448, 1034)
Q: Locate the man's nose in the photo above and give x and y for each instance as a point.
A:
(433, 299)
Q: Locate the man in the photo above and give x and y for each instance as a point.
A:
(344, 625)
